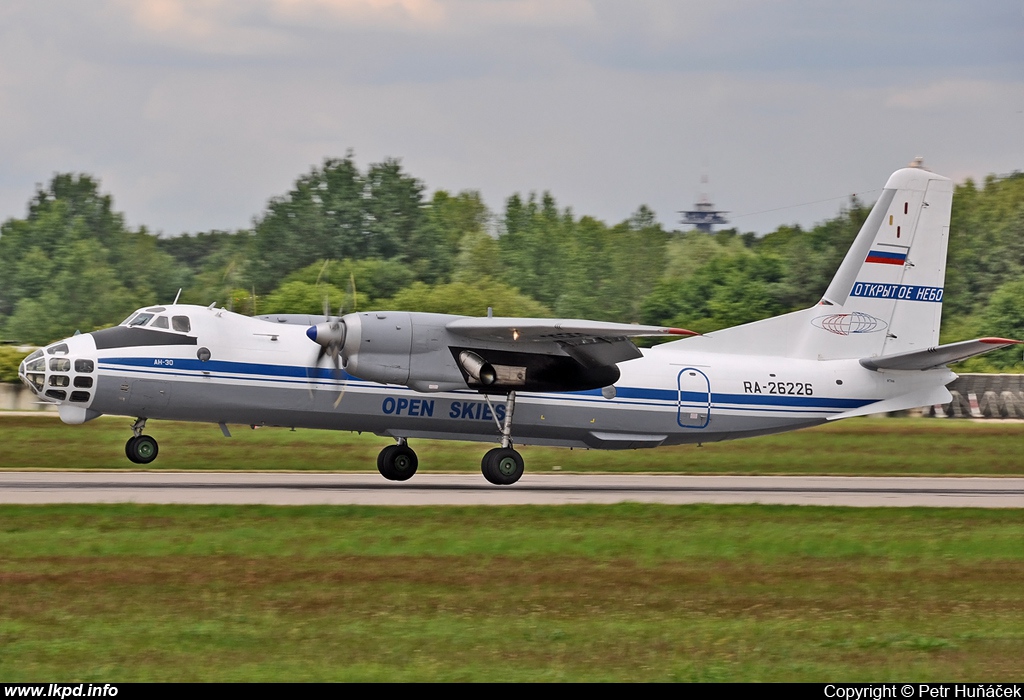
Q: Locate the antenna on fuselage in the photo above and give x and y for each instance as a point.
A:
(176, 297)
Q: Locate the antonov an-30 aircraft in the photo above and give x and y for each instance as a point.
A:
(870, 345)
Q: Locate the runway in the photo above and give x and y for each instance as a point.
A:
(277, 488)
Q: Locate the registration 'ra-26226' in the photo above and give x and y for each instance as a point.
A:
(781, 388)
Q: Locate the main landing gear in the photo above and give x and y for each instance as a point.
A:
(397, 462)
(501, 466)
(140, 449)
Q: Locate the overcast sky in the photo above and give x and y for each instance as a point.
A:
(193, 113)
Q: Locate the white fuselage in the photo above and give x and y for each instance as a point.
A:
(234, 369)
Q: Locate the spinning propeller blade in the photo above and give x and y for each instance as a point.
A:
(330, 336)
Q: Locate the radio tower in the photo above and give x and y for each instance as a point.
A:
(704, 215)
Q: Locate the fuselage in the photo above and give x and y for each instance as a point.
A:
(195, 363)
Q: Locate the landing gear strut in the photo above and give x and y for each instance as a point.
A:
(503, 466)
(140, 449)
(397, 462)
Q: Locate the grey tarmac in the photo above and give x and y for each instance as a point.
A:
(290, 488)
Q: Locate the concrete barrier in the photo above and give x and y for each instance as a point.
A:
(983, 396)
(17, 397)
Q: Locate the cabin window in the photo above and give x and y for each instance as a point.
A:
(159, 322)
(181, 323)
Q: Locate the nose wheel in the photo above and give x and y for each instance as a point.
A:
(140, 449)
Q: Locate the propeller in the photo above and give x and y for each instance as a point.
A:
(330, 336)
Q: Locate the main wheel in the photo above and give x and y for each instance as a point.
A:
(502, 466)
(129, 449)
(141, 449)
(397, 462)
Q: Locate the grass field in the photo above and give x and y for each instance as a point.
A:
(858, 446)
(630, 592)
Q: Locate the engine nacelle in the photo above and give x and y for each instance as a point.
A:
(418, 351)
(378, 346)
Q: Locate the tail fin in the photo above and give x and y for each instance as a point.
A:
(886, 297)
(890, 283)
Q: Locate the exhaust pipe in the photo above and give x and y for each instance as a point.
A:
(477, 368)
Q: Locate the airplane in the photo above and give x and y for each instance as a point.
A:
(869, 346)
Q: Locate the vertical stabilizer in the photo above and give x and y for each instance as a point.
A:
(886, 297)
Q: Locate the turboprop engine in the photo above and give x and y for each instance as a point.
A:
(418, 351)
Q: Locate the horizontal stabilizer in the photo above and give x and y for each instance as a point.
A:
(924, 397)
(553, 329)
(937, 356)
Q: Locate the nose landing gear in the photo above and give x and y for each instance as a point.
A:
(140, 449)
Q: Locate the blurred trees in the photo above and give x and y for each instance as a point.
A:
(468, 299)
(73, 264)
(335, 211)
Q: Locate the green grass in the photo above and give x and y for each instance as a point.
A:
(627, 592)
(858, 446)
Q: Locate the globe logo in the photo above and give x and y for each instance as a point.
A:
(849, 324)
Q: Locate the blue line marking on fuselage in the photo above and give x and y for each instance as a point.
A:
(234, 367)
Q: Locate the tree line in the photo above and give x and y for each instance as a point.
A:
(373, 238)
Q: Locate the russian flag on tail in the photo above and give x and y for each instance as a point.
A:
(885, 257)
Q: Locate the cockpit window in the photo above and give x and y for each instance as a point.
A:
(159, 322)
(181, 323)
(35, 362)
(128, 320)
(140, 320)
(61, 349)
(157, 309)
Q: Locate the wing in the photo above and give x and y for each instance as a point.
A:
(553, 329)
(591, 343)
(938, 356)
